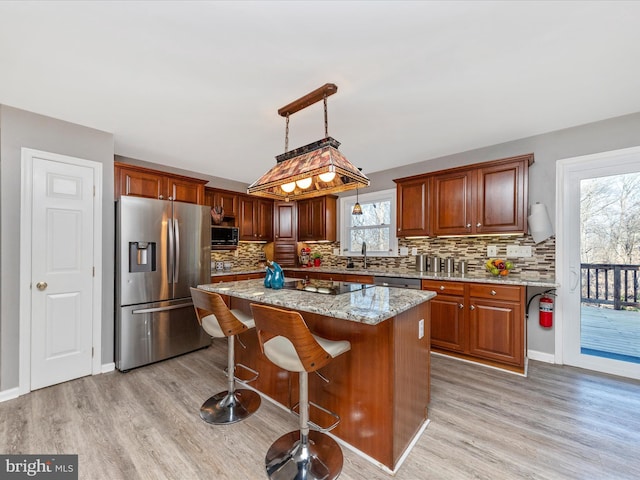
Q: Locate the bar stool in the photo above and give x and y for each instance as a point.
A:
(286, 341)
(217, 320)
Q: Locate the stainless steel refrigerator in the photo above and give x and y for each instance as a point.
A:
(162, 248)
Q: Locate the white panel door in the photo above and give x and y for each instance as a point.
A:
(61, 272)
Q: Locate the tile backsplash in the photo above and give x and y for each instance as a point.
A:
(541, 264)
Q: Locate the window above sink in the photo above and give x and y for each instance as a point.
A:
(376, 226)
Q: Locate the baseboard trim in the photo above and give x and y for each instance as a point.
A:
(9, 394)
(108, 367)
(541, 356)
(15, 392)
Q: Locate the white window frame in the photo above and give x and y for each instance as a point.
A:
(346, 207)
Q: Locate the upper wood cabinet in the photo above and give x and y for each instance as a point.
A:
(144, 182)
(502, 193)
(226, 199)
(255, 218)
(490, 198)
(317, 219)
(485, 198)
(451, 202)
(412, 207)
(284, 221)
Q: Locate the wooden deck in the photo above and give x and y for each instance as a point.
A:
(611, 333)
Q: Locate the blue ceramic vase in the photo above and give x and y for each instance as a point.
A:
(277, 280)
(268, 277)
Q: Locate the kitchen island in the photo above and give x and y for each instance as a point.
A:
(379, 389)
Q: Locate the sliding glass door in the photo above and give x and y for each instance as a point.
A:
(598, 262)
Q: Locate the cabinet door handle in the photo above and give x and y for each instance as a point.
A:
(472, 307)
(478, 224)
(493, 292)
(468, 225)
(441, 287)
(161, 197)
(460, 306)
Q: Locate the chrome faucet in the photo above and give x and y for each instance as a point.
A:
(364, 254)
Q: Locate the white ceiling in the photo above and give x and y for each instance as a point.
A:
(197, 85)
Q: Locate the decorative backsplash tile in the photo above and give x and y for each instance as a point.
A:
(472, 249)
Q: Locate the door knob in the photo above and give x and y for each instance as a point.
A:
(41, 285)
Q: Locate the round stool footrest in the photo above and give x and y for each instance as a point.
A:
(314, 425)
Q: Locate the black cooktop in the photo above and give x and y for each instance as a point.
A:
(327, 287)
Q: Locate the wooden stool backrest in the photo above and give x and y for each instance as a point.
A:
(272, 322)
(211, 303)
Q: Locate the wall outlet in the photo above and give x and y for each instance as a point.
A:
(421, 328)
(414, 251)
(518, 251)
(492, 250)
(336, 251)
(404, 251)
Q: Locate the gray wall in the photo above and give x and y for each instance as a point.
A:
(215, 182)
(25, 129)
(602, 136)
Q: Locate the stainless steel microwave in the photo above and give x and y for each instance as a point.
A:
(224, 238)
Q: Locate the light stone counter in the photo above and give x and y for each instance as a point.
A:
(370, 305)
(527, 279)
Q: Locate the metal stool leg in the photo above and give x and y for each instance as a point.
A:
(304, 454)
(232, 405)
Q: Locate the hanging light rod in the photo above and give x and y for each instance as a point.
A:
(309, 99)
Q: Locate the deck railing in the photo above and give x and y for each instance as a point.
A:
(611, 284)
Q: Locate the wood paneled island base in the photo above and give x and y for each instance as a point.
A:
(380, 388)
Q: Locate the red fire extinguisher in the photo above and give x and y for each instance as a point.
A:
(546, 311)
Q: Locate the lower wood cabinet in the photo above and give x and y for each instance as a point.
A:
(448, 331)
(479, 321)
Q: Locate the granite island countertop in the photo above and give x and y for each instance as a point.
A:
(370, 305)
(516, 278)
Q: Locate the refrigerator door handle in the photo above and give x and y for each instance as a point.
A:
(170, 250)
(176, 256)
(162, 309)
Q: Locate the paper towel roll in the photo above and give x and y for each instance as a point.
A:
(540, 226)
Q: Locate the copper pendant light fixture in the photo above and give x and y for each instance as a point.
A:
(357, 209)
(313, 170)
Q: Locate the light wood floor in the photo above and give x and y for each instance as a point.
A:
(559, 423)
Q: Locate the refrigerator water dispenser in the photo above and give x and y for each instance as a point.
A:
(142, 256)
